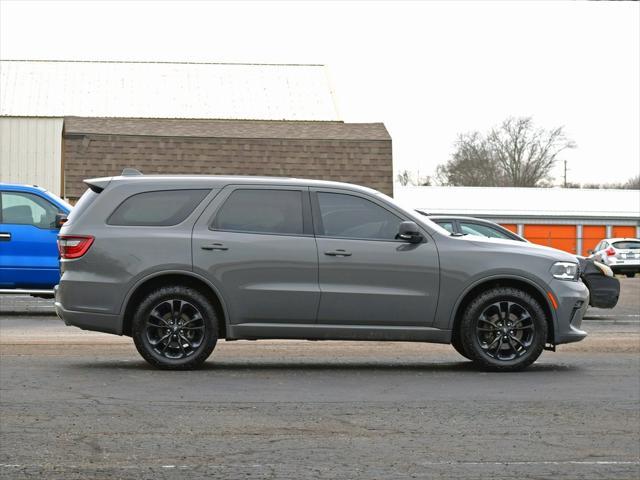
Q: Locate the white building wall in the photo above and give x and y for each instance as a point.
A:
(31, 151)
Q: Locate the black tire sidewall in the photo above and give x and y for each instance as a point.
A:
(178, 293)
(470, 340)
(456, 342)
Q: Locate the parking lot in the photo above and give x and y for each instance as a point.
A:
(83, 405)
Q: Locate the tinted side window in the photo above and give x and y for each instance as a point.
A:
(262, 211)
(20, 208)
(349, 216)
(481, 230)
(160, 208)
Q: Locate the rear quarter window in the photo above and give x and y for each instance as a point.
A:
(81, 206)
(162, 208)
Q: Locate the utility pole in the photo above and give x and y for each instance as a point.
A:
(565, 174)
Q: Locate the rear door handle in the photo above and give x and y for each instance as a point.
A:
(5, 236)
(214, 246)
(338, 253)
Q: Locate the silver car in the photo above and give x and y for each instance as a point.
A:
(177, 262)
(622, 255)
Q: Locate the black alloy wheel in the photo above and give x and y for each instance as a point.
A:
(503, 329)
(175, 327)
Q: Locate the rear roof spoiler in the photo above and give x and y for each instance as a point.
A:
(99, 184)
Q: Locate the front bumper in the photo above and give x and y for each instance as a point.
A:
(573, 301)
(97, 322)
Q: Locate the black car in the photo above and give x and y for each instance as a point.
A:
(604, 288)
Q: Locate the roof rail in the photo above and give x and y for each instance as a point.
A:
(129, 172)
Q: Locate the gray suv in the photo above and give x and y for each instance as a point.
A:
(177, 262)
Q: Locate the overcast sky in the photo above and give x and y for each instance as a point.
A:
(427, 70)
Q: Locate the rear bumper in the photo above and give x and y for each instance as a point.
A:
(573, 301)
(98, 322)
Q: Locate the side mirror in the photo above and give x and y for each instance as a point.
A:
(61, 218)
(590, 252)
(409, 232)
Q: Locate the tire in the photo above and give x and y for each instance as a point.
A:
(498, 314)
(175, 328)
(630, 275)
(457, 345)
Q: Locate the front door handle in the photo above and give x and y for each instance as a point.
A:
(5, 236)
(214, 246)
(338, 253)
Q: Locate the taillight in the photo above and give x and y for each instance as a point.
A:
(610, 252)
(73, 246)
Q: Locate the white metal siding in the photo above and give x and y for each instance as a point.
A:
(165, 90)
(31, 151)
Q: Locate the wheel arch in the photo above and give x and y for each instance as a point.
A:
(524, 284)
(174, 277)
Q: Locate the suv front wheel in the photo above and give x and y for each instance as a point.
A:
(503, 329)
(175, 327)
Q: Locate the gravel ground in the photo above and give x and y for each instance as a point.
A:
(83, 405)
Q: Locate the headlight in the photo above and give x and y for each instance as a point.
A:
(565, 271)
(607, 272)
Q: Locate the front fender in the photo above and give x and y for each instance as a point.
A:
(450, 310)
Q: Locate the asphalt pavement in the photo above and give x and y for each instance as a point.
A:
(83, 405)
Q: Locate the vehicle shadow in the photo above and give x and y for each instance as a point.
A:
(244, 366)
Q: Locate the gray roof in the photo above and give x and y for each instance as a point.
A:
(226, 128)
(31, 88)
(208, 180)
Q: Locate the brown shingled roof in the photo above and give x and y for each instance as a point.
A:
(226, 128)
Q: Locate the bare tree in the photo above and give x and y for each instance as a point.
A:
(472, 164)
(526, 154)
(633, 183)
(406, 177)
(516, 154)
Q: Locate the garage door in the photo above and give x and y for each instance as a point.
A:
(591, 235)
(623, 231)
(562, 237)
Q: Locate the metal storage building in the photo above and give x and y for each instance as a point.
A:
(574, 220)
(61, 120)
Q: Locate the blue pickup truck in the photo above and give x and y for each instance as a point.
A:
(30, 218)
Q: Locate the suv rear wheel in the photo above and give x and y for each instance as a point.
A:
(175, 328)
(503, 329)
